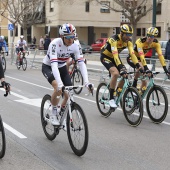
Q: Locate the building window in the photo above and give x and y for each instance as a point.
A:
(51, 6)
(158, 8)
(159, 29)
(103, 35)
(138, 31)
(105, 7)
(87, 7)
(143, 31)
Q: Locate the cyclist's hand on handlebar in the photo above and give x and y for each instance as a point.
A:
(6, 86)
(90, 87)
(166, 72)
(123, 72)
(60, 90)
(147, 71)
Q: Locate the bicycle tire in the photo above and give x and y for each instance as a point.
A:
(75, 128)
(18, 64)
(132, 101)
(77, 78)
(24, 63)
(2, 139)
(45, 111)
(103, 99)
(153, 116)
(3, 63)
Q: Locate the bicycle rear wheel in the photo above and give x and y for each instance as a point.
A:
(157, 104)
(77, 79)
(132, 106)
(2, 139)
(77, 130)
(3, 63)
(46, 108)
(24, 63)
(102, 99)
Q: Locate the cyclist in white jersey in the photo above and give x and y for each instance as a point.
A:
(54, 66)
(21, 45)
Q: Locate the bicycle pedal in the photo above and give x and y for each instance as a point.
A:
(112, 109)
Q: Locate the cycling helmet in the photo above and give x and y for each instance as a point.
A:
(127, 29)
(67, 29)
(2, 37)
(152, 31)
(21, 36)
(76, 35)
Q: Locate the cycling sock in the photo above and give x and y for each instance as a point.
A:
(135, 83)
(111, 93)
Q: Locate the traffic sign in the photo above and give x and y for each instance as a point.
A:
(10, 27)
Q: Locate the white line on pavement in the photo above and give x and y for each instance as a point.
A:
(14, 131)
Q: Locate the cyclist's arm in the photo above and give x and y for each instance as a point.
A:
(115, 54)
(52, 52)
(132, 53)
(81, 64)
(4, 44)
(141, 54)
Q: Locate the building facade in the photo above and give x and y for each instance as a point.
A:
(94, 21)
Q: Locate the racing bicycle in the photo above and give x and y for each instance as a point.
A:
(22, 61)
(128, 97)
(76, 122)
(76, 76)
(156, 99)
(2, 135)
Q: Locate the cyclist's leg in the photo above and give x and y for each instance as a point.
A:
(66, 79)
(110, 66)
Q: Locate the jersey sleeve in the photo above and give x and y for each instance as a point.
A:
(132, 53)
(141, 53)
(159, 52)
(114, 51)
(52, 54)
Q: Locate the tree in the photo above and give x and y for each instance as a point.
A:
(23, 12)
(131, 9)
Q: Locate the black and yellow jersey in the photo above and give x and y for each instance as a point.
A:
(142, 47)
(114, 46)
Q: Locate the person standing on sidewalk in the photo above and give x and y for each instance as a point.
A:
(141, 47)
(111, 60)
(46, 43)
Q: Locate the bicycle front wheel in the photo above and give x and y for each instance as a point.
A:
(102, 99)
(77, 79)
(4, 64)
(157, 104)
(132, 106)
(24, 63)
(46, 109)
(77, 130)
(2, 139)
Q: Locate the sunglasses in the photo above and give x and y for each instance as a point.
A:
(151, 36)
(68, 37)
(129, 35)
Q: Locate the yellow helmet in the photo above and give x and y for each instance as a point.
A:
(152, 31)
(127, 29)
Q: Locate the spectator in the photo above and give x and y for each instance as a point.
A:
(46, 43)
(34, 40)
(41, 43)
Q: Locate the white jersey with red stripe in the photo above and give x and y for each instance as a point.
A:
(58, 54)
(21, 44)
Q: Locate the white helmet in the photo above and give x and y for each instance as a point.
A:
(2, 37)
(67, 29)
(21, 36)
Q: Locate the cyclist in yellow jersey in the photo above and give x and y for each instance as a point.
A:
(142, 46)
(111, 60)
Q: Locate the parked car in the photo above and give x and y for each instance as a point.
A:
(98, 44)
(85, 48)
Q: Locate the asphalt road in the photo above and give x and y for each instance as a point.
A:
(113, 143)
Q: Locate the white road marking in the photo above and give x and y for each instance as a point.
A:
(15, 132)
